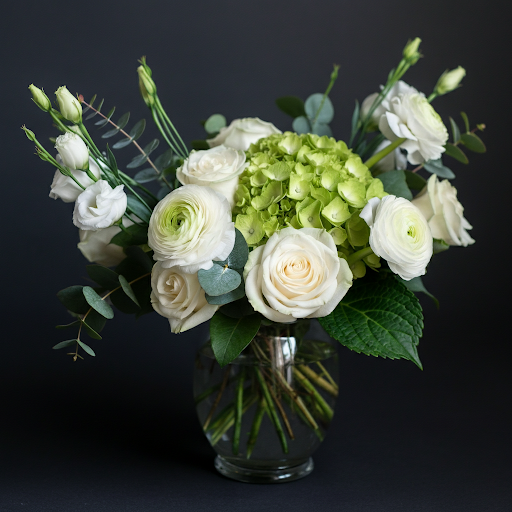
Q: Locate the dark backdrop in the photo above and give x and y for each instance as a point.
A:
(118, 432)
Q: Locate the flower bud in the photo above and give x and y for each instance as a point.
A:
(411, 52)
(450, 80)
(70, 107)
(147, 85)
(73, 151)
(29, 133)
(40, 98)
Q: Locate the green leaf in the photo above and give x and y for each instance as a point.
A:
(112, 162)
(91, 103)
(138, 129)
(140, 257)
(68, 326)
(301, 125)
(325, 115)
(73, 299)
(355, 122)
(437, 167)
(226, 298)
(91, 115)
(96, 302)
(164, 160)
(218, 280)
(142, 291)
(455, 131)
(214, 123)
(135, 234)
(473, 142)
(321, 129)
(414, 180)
(139, 209)
(240, 253)
(291, 105)
(90, 331)
(103, 122)
(456, 152)
(380, 317)
(64, 344)
(199, 145)
(96, 321)
(128, 289)
(146, 175)
(238, 309)
(104, 276)
(110, 133)
(123, 120)
(416, 285)
(86, 348)
(395, 183)
(229, 336)
(440, 246)
(122, 143)
(466, 121)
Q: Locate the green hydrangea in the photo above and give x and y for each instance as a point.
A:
(305, 181)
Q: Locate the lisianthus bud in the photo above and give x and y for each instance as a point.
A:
(411, 52)
(40, 98)
(147, 85)
(69, 106)
(73, 151)
(450, 80)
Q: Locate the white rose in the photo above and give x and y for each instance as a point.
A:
(190, 227)
(399, 87)
(217, 168)
(99, 206)
(296, 274)
(65, 188)
(438, 203)
(179, 297)
(72, 150)
(241, 133)
(399, 233)
(96, 246)
(412, 116)
(396, 160)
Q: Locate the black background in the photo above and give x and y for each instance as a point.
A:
(118, 432)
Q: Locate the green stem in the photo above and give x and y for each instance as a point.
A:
(256, 424)
(327, 375)
(319, 381)
(163, 132)
(238, 411)
(311, 389)
(334, 76)
(164, 115)
(384, 152)
(359, 255)
(432, 97)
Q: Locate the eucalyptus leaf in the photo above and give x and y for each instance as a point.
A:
(137, 161)
(64, 344)
(437, 167)
(68, 326)
(142, 258)
(93, 113)
(313, 111)
(149, 148)
(456, 152)
(466, 121)
(95, 321)
(322, 129)
(73, 299)
(104, 122)
(86, 348)
(123, 120)
(229, 336)
(416, 285)
(238, 309)
(112, 162)
(218, 280)
(214, 123)
(164, 160)
(414, 180)
(139, 209)
(138, 129)
(473, 142)
(97, 303)
(90, 331)
(146, 175)
(301, 125)
(240, 253)
(104, 276)
(455, 131)
(135, 234)
(91, 103)
(226, 298)
(291, 105)
(110, 133)
(122, 143)
(395, 183)
(128, 289)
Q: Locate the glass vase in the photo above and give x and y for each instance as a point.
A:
(268, 411)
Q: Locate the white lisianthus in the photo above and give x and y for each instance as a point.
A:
(73, 151)
(439, 204)
(190, 227)
(396, 160)
(450, 80)
(399, 233)
(399, 87)
(65, 188)
(217, 168)
(296, 274)
(412, 116)
(69, 106)
(99, 206)
(241, 133)
(178, 296)
(96, 246)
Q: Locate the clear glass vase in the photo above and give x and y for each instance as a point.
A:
(268, 411)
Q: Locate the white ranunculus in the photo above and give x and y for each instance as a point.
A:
(241, 133)
(96, 246)
(73, 151)
(99, 206)
(412, 116)
(65, 188)
(445, 215)
(178, 296)
(399, 233)
(399, 87)
(69, 106)
(296, 274)
(396, 160)
(190, 227)
(217, 168)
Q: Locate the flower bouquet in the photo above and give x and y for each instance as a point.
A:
(260, 231)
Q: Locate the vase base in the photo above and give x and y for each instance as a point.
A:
(263, 476)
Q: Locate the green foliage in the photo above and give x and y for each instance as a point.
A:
(103, 122)
(455, 131)
(414, 180)
(138, 208)
(240, 253)
(135, 234)
(437, 167)
(104, 276)
(456, 152)
(218, 280)
(395, 183)
(90, 331)
(379, 316)
(140, 258)
(86, 348)
(229, 336)
(142, 158)
(226, 298)
(73, 299)
(96, 321)
(128, 290)
(291, 105)
(199, 145)
(239, 308)
(214, 123)
(112, 162)
(440, 246)
(473, 142)
(96, 302)
(416, 285)
(355, 122)
(466, 121)
(64, 344)
(98, 108)
(319, 109)
(146, 175)
(301, 125)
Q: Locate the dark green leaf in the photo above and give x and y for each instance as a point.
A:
(240, 253)
(135, 234)
(238, 309)
(123, 120)
(128, 289)
(142, 258)
(112, 162)
(151, 146)
(138, 129)
(395, 183)
(90, 331)
(456, 152)
(355, 122)
(162, 192)
(103, 122)
(68, 326)
(379, 316)
(122, 143)
(142, 290)
(86, 348)
(416, 285)
(214, 123)
(437, 167)
(440, 246)
(199, 145)
(226, 298)
(92, 114)
(110, 133)
(73, 299)
(96, 302)
(455, 131)
(104, 276)
(64, 344)
(414, 180)
(473, 142)
(164, 160)
(466, 121)
(291, 105)
(91, 103)
(96, 321)
(312, 106)
(229, 336)
(218, 280)
(301, 125)
(141, 211)
(137, 161)
(146, 175)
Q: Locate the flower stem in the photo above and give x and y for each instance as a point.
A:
(359, 255)
(319, 381)
(311, 389)
(217, 399)
(238, 410)
(256, 424)
(384, 152)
